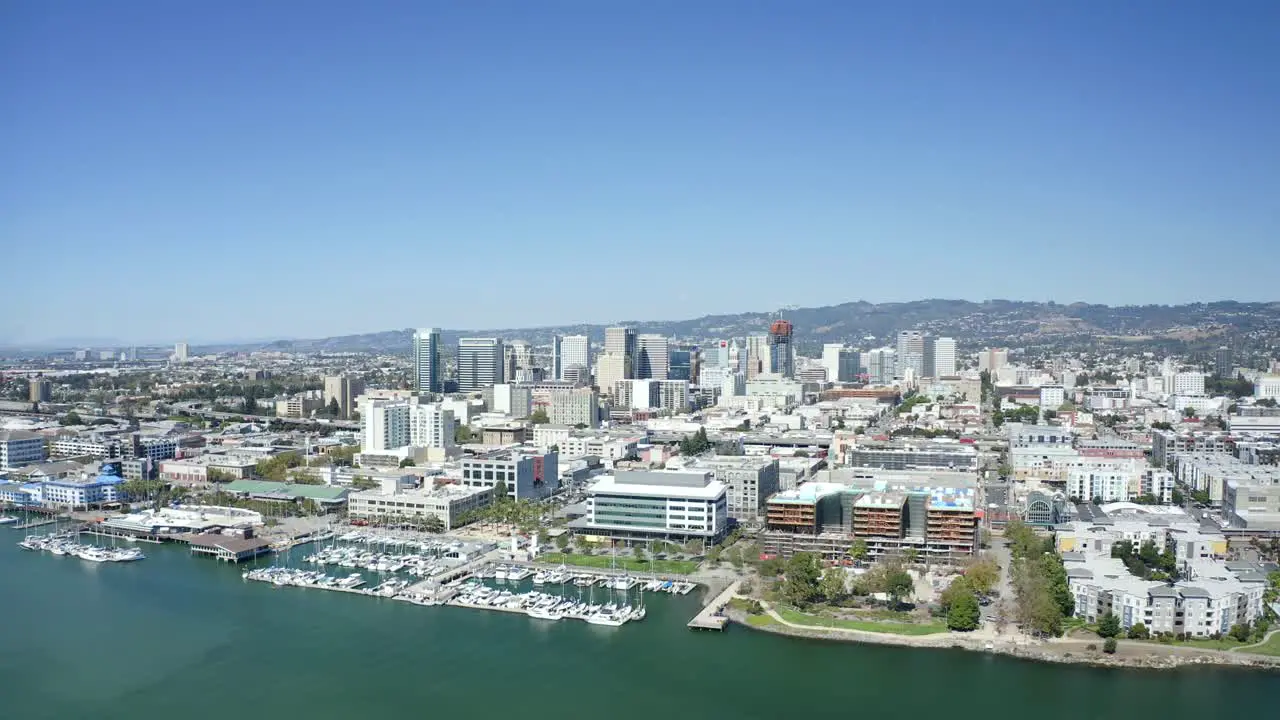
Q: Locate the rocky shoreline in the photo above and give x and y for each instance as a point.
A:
(1132, 655)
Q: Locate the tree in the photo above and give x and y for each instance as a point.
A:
(1109, 647)
(964, 614)
(539, 417)
(433, 524)
(1108, 626)
(562, 541)
(462, 434)
(1122, 549)
(802, 575)
(832, 587)
(858, 551)
(360, 482)
(1240, 632)
(1188, 412)
(71, 418)
(500, 491)
(1139, 632)
(334, 410)
(953, 591)
(982, 575)
(1148, 553)
(911, 555)
(897, 583)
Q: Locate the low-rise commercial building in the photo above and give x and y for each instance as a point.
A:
(646, 505)
(450, 503)
(523, 475)
(750, 479)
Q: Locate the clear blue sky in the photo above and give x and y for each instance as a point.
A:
(234, 170)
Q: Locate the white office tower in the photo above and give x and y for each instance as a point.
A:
(181, 351)
(522, 351)
(635, 394)
(577, 406)
(942, 361)
(737, 356)
(479, 363)
(882, 366)
(430, 425)
(653, 357)
(910, 353)
(621, 341)
(840, 361)
(513, 400)
(575, 351)
(610, 370)
(427, 375)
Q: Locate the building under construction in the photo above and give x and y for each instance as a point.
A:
(939, 524)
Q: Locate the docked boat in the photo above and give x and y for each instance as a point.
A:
(7, 520)
(610, 619)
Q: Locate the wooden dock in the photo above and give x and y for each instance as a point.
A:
(710, 617)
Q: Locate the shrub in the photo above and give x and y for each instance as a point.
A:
(1109, 647)
(1091, 646)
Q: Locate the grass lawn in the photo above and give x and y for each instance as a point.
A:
(1201, 643)
(1270, 647)
(799, 618)
(760, 621)
(661, 567)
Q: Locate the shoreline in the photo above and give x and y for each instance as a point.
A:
(1060, 651)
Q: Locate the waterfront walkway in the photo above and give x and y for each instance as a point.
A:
(711, 618)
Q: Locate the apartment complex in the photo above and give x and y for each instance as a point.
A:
(576, 406)
(20, 447)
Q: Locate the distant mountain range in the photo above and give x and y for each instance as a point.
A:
(994, 322)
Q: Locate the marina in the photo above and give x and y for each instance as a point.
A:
(67, 546)
(421, 570)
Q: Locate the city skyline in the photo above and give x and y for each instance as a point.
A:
(178, 164)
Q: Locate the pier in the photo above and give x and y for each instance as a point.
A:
(228, 549)
(37, 523)
(711, 618)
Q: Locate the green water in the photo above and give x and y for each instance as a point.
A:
(181, 637)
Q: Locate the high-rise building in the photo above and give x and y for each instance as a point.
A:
(653, 357)
(718, 355)
(621, 341)
(759, 356)
(673, 395)
(782, 352)
(992, 359)
(1223, 363)
(389, 424)
(683, 361)
(840, 361)
(882, 366)
(480, 363)
(910, 353)
(430, 425)
(40, 390)
(574, 350)
(577, 406)
(181, 351)
(610, 369)
(940, 357)
(344, 389)
(427, 375)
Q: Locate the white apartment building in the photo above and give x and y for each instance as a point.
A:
(673, 395)
(1052, 397)
(549, 435)
(608, 448)
(384, 425)
(577, 406)
(20, 447)
(430, 425)
(1108, 485)
(611, 369)
(1184, 383)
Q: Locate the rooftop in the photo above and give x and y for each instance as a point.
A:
(286, 490)
(609, 485)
